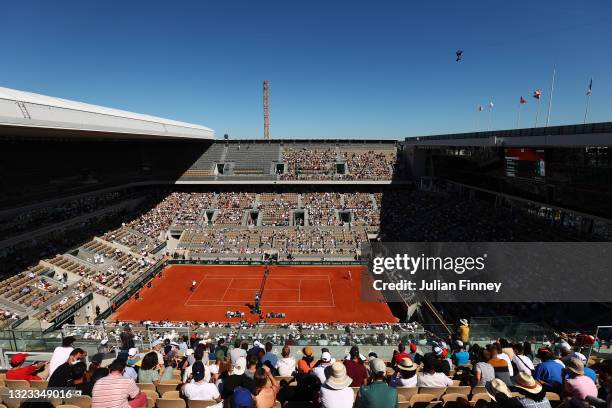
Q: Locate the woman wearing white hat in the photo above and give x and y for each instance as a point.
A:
(335, 392)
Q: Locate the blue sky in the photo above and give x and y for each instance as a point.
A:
(377, 69)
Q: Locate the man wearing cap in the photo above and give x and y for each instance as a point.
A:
(307, 362)
(355, 368)
(335, 392)
(321, 368)
(575, 384)
(20, 372)
(237, 379)
(200, 389)
(588, 372)
(377, 394)
(548, 372)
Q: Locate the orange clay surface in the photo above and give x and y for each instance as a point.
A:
(303, 293)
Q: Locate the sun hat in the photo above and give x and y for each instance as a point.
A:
(497, 386)
(575, 366)
(527, 383)
(326, 357)
(239, 366)
(406, 364)
(133, 351)
(458, 343)
(463, 322)
(378, 366)
(338, 379)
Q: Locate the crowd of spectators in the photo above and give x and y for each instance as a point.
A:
(252, 373)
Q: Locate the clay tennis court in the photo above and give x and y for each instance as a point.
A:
(303, 293)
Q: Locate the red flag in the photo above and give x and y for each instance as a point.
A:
(537, 94)
(522, 101)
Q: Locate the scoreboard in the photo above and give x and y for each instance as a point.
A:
(525, 163)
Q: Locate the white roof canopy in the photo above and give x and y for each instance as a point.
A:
(26, 109)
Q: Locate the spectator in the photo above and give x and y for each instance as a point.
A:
(377, 394)
(151, 369)
(463, 331)
(532, 394)
(460, 356)
(321, 369)
(336, 393)
(20, 372)
(577, 385)
(131, 369)
(431, 378)
(79, 379)
(355, 368)
(63, 374)
(588, 372)
(286, 364)
(401, 354)
(405, 375)
(483, 371)
(500, 366)
(269, 356)
(116, 391)
(61, 353)
(265, 396)
(200, 389)
(237, 379)
(307, 362)
(548, 372)
(522, 363)
(252, 364)
(239, 350)
(221, 350)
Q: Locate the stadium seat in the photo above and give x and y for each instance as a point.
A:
(403, 404)
(17, 384)
(146, 386)
(455, 382)
(465, 390)
(150, 403)
(170, 403)
(151, 394)
(162, 388)
(421, 400)
(82, 401)
(39, 384)
(405, 393)
(453, 397)
(479, 389)
(480, 396)
(355, 391)
(437, 392)
(200, 404)
(171, 395)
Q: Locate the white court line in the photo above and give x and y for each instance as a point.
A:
(300, 292)
(226, 289)
(331, 291)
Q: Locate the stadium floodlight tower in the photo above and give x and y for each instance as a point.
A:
(266, 108)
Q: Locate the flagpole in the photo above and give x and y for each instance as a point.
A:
(518, 120)
(588, 95)
(586, 111)
(552, 89)
(537, 114)
(490, 113)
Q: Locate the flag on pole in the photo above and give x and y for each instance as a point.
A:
(590, 90)
(491, 105)
(537, 94)
(522, 101)
(480, 108)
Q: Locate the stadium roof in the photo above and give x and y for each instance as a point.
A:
(19, 109)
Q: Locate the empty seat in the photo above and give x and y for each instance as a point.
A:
(171, 395)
